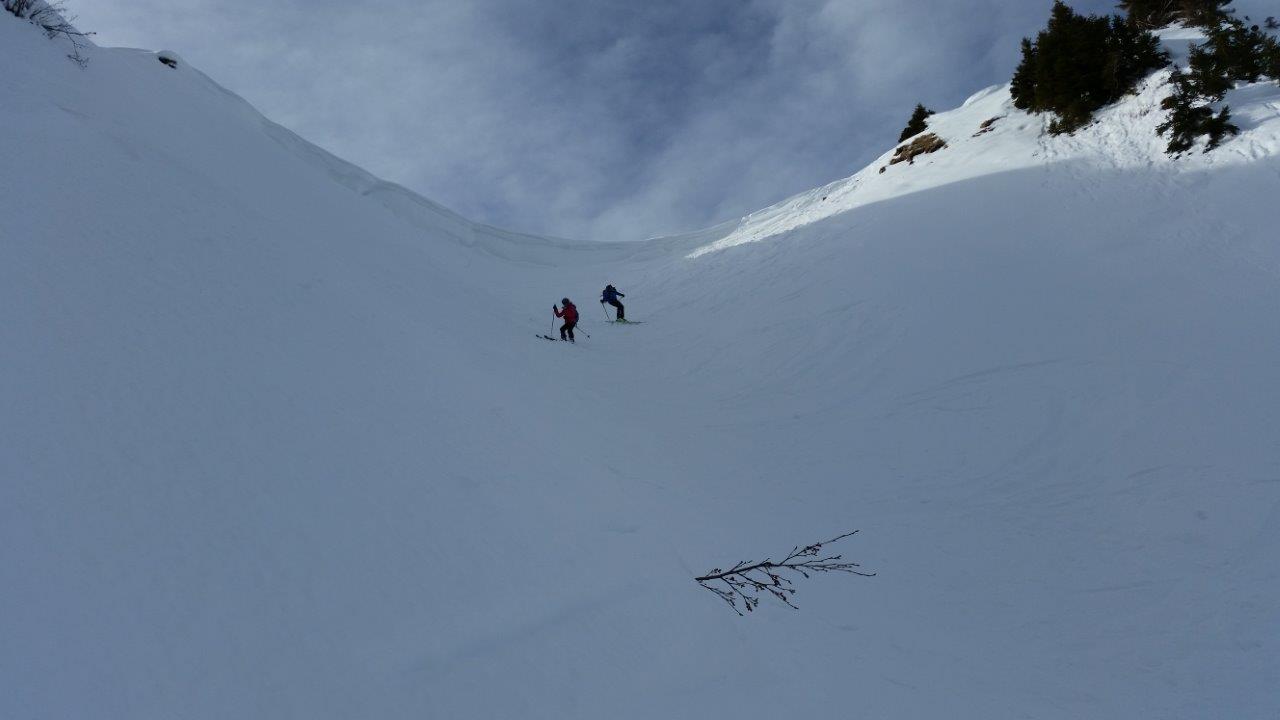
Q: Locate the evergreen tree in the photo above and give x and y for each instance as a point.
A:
(1023, 85)
(1159, 13)
(1079, 64)
(1191, 117)
(1233, 53)
(917, 124)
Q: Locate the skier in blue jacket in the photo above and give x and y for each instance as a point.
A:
(611, 295)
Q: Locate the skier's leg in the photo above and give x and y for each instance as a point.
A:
(563, 328)
(570, 327)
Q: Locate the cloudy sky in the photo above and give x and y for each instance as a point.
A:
(592, 119)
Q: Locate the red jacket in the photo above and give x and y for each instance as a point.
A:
(570, 313)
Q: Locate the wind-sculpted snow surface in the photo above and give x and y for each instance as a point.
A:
(279, 440)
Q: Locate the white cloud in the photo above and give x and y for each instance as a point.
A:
(592, 118)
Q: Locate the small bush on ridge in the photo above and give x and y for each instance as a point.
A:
(50, 17)
(918, 123)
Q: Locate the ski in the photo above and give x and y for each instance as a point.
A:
(626, 322)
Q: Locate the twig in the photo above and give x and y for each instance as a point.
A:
(52, 18)
(749, 581)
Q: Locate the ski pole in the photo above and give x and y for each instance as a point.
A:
(606, 311)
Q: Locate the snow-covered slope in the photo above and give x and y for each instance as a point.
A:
(279, 441)
(989, 135)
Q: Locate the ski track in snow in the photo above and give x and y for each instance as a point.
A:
(279, 441)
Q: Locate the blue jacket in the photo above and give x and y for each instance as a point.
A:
(610, 294)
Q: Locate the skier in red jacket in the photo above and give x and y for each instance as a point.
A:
(570, 315)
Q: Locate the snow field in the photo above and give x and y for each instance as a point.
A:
(279, 441)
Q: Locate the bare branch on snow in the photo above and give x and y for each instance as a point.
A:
(747, 582)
